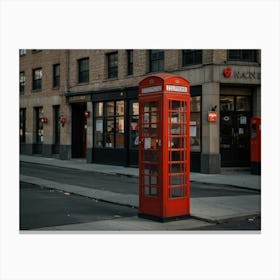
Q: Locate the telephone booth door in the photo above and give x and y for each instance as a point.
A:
(150, 156)
(164, 152)
(176, 171)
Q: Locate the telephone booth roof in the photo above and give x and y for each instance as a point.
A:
(153, 83)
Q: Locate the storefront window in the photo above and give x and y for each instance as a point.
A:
(22, 124)
(226, 103)
(39, 125)
(243, 103)
(195, 124)
(133, 127)
(56, 127)
(109, 124)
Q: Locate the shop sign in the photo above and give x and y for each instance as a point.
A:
(237, 74)
(212, 116)
(79, 98)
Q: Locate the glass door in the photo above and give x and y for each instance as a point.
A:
(235, 117)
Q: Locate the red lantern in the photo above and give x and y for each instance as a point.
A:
(44, 120)
(86, 114)
(62, 120)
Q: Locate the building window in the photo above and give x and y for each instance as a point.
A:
(21, 82)
(242, 55)
(112, 61)
(195, 124)
(36, 51)
(130, 62)
(191, 57)
(22, 52)
(83, 65)
(39, 125)
(156, 60)
(109, 124)
(22, 125)
(56, 75)
(56, 127)
(37, 79)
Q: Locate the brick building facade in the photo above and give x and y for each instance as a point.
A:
(84, 103)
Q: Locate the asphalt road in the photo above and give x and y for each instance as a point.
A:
(40, 207)
(119, 184)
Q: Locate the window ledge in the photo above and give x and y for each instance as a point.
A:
(36, 90)
(82, 83)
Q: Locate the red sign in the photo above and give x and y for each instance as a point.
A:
(227, 72)
(212, 116)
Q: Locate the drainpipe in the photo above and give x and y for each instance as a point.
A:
(67, 72)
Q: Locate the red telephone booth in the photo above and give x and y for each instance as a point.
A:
(256, 145)
(164, 147)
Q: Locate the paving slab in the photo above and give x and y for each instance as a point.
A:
(217, 209)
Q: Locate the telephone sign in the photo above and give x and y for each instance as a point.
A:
(164, 147)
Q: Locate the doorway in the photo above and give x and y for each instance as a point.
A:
(235, 114)
(79, 130)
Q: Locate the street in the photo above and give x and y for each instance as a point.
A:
(46, 208)
(119, 184)
(40, 207)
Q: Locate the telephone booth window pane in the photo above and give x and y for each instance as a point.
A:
(177, 192)
(151, 191)
(151, 156)
(175, 105)
(151, 169)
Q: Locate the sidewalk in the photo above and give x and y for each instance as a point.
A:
(206, 209)
(241, 179)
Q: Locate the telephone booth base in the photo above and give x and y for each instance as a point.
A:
(163, 219)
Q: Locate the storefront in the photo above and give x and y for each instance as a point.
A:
(110, 133)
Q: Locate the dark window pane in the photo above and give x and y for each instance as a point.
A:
(112, 65)
(37, 79)
(130, 62)
(83, 70)
(191, 57)
(243, 103)
(22, 125)
(21, 82)
(242, 55)
(156, 60)
(56, 112)
(56, 75)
